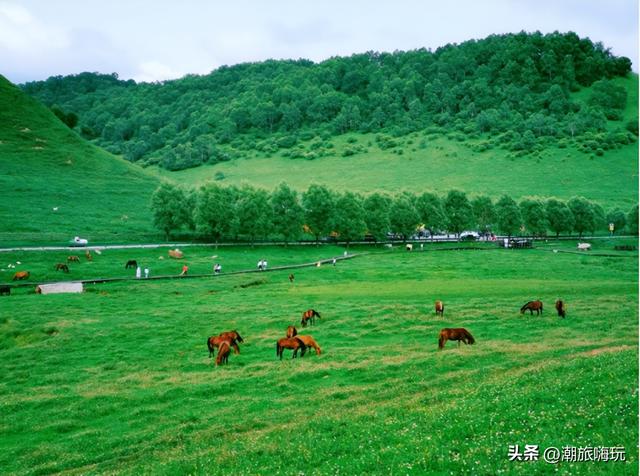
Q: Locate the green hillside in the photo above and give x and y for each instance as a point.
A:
(44, 165)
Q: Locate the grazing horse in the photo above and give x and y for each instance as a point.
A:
(560, 307)
(62, 267)
(20, 275)
(532, 306)
(87, 254)
(310, 342)
(5, 290)
(73, 258)
(292, 331)
(290, 343)
(440, 308)
(131, 264)
(459, 334)
(231, 337)
(291, 278)
(223, 353)
(309, 316)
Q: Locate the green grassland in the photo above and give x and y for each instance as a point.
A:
(44, 165)
(118, 379)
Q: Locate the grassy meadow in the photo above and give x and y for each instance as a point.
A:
(118, 379)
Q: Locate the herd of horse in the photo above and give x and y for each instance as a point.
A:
(226, 341)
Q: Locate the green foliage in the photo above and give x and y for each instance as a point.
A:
(429, 208)
(376, 215)
(632, 220)
(288, 215)
(509, 216)
(403, 217)
(517, 82)
(584, 215)
(484, 213)
(560, 216)
(349, 218)
(618, 218)
(215, 213)
(171, 209)
(319, 208)
(458, 211)
(254, 215)
(534, 216)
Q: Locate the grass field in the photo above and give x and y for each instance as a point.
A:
(118, 379)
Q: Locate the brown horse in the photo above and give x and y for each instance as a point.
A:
(560, 307)
(5, 290)
(62, 267)
(73, 258)
(309, 316)
(131, 264)
(223, 353)
(532, 306)
(231, 337)
(290, 343)
(291, 278)
(20, 275)
(292, 331)
(459, 334)
(310, 342)
(87, 254)
(440, 308)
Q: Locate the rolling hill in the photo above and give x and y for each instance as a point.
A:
(55, 185)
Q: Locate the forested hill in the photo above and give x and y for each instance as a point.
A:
(516, 91)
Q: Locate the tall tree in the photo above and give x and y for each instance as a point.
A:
(484, 213)
(458, 211)
(215, 213)
(376, 208)
(429, 208)
(288, 215)
(560, 216)
(348, 220)
(254, 213)
(403, 217)
(169, 208)
(534, 216)
(583, 214)
(319, 207)
(509, 217)
(632, 220)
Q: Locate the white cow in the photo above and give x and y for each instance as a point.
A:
(584, 246)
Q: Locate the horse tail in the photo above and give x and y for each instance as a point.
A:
(210, 346)
(278, 349)
(441, 341)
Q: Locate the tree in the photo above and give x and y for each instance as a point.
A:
(429, 208)
(632, 220)
(484, 213)
(403, 217)
(509, 217)
(376, 208)
(348, 220)
(583, 214)
(215, 213)
(319, 207)
(458, 211)
(288, 215)
(618, 218)
(254, 214)
(169, 208)
(560, 216)
(534, 216)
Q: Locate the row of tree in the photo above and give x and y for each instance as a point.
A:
(516, 85)
(247, 213)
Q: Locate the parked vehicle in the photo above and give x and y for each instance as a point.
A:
(77, 241)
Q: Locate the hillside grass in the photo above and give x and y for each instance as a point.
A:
(118, 379)
(44, 165)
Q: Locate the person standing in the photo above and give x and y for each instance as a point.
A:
(146, 273)
(185, 270)
(138, 272)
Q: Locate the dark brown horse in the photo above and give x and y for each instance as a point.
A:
(131, 264)
(223, 353)
(5, 290)
(561, 308)
(292, 331)
(532, 306)
(459, 334)
(73, 258)
(290, 343)
(231, 337)
(310, 342)
(309, 316)
(440, 308)
(291, 278)
(62, 267)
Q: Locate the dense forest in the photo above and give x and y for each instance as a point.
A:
(510, 91)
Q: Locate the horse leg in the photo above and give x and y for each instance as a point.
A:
(236, 349)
